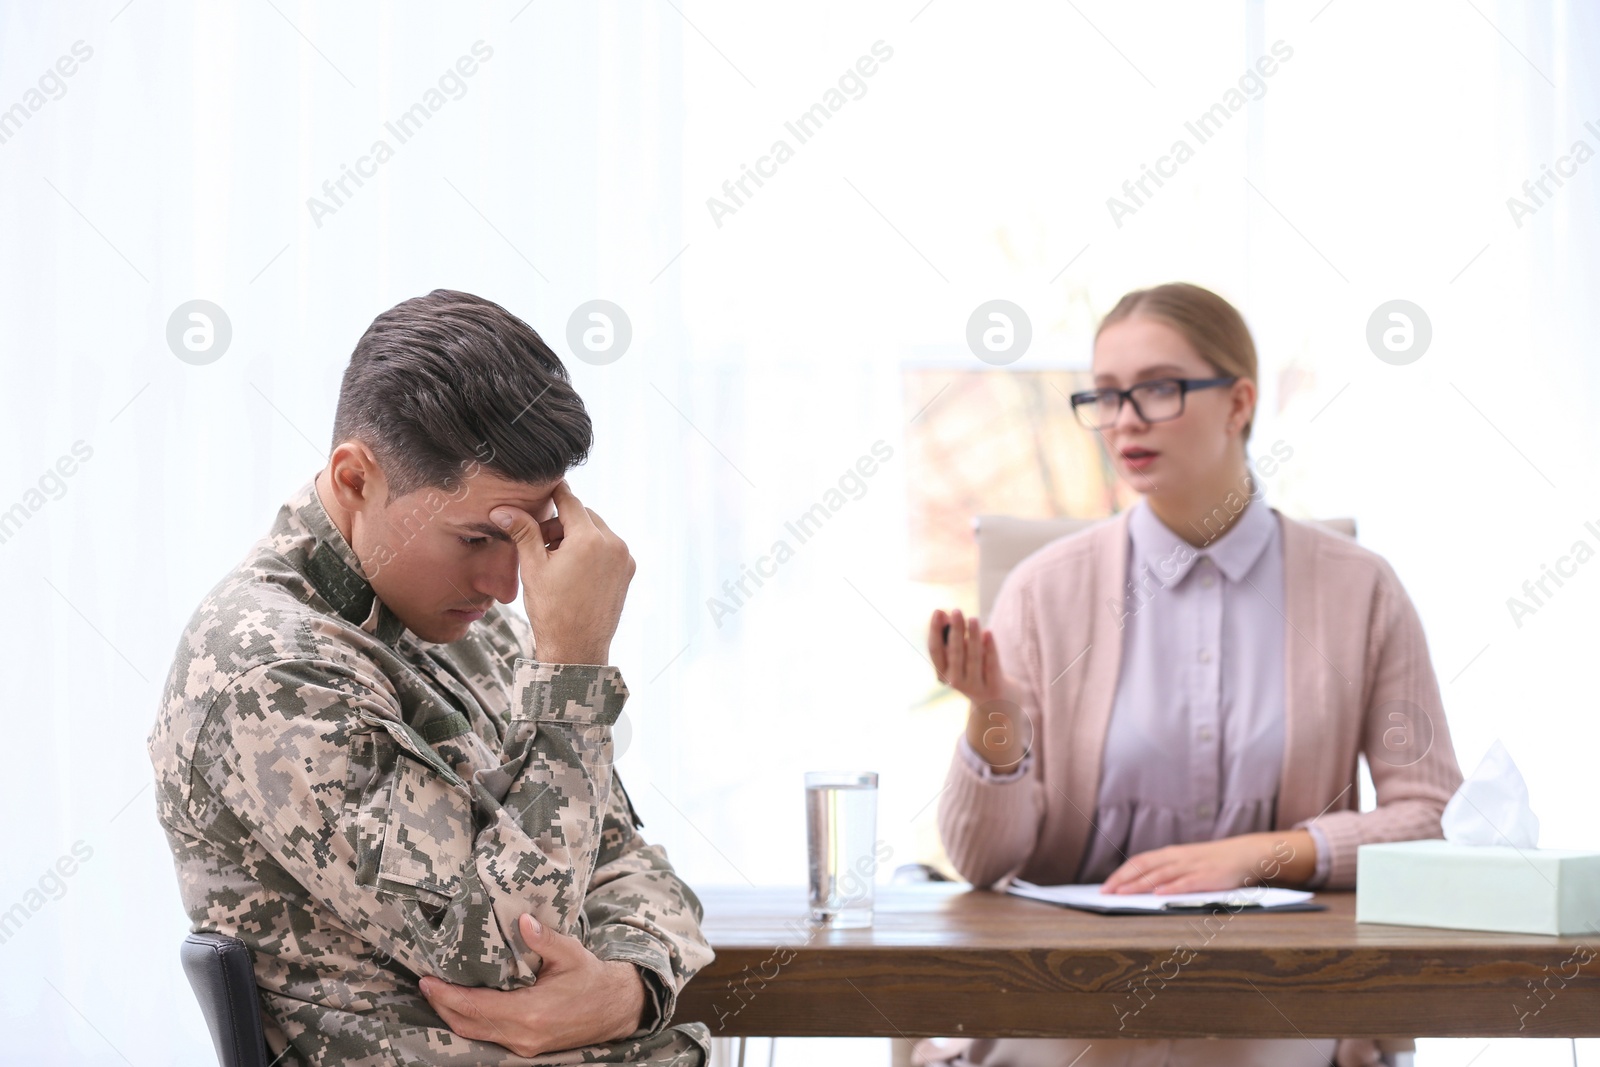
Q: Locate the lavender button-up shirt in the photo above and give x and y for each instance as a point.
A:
(1194, 749)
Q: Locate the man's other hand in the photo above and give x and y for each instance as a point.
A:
(578, 1000)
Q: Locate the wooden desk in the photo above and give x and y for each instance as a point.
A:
(942, 959)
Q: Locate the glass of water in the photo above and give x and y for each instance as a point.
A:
(841, 844)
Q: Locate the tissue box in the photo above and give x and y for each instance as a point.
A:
(1478, 887)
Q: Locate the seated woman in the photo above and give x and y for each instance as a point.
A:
(1173, 700)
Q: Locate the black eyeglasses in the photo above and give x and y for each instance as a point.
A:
(1157, 400)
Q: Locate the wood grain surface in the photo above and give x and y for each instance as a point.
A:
(947, 960)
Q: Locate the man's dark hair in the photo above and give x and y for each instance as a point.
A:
(441, 382)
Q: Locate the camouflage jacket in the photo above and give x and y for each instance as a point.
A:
(363, 808)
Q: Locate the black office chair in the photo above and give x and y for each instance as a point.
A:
(224, 982)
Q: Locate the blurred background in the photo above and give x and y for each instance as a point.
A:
(301, 167)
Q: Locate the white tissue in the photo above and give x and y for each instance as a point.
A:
(1491, 807)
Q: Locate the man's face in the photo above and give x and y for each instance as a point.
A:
(436, 559)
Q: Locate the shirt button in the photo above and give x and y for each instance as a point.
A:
(1205, 655)
(1205, 733)
(1204, 811)
(1208, 580)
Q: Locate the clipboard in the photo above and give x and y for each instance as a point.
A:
(1262, 899)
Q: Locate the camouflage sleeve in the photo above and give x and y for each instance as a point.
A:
(639, 910)
(431, 869)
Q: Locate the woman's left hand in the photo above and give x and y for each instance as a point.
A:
(1231, 863)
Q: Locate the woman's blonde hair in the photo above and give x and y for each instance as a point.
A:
(1209, 323)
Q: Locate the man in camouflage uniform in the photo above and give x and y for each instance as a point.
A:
(372, 783)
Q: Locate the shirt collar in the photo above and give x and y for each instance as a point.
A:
(1170, 556)
(333, 568)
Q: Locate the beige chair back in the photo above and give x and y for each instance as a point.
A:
(1005, 541)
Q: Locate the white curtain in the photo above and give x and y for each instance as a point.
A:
(155, 153)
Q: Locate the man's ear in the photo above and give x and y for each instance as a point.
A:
(357, 479)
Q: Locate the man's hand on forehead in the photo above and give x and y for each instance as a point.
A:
(574, 596)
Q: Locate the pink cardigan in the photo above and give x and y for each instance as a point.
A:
(1358, 679)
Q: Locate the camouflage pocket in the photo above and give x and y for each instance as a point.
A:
(427, 832)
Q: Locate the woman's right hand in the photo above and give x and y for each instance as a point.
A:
(969, 662)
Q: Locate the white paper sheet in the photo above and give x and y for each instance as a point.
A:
(1090, 896)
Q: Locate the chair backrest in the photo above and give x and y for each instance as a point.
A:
(224, 981)
(1005, 541)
